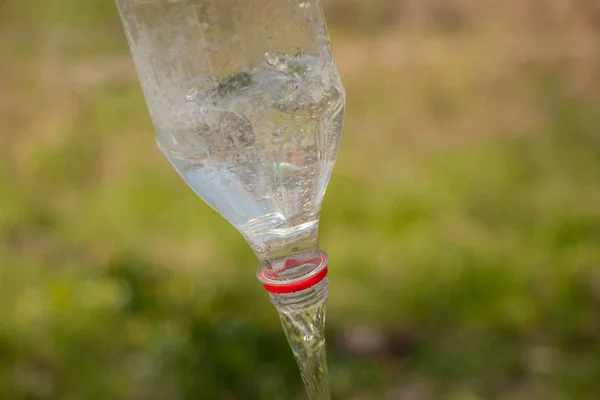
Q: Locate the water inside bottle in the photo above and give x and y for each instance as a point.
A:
(259, 147)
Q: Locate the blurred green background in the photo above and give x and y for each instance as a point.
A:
(462, 220)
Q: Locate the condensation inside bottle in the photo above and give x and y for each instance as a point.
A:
(252, 125)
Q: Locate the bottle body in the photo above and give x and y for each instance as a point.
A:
(248, 107)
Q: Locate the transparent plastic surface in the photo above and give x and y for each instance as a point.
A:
(248, 107)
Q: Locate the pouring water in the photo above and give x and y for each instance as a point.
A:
(248, 107)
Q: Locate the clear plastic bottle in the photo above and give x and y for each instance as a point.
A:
(248, 107)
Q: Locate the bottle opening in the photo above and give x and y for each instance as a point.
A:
(297, 274)
(297, 286)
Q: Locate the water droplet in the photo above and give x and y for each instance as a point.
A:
(272, 59)
(304, 4)
(191, 94)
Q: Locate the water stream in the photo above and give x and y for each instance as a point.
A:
(302, 316)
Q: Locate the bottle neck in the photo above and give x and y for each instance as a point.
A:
(294, 273)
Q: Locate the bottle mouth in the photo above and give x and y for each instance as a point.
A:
(276, 281)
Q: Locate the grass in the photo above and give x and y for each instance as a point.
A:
(462, 221)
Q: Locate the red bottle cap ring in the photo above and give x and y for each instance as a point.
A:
(297, 286)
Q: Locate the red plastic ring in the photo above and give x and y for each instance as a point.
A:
(297, 286)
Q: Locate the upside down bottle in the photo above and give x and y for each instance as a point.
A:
(247, 106)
